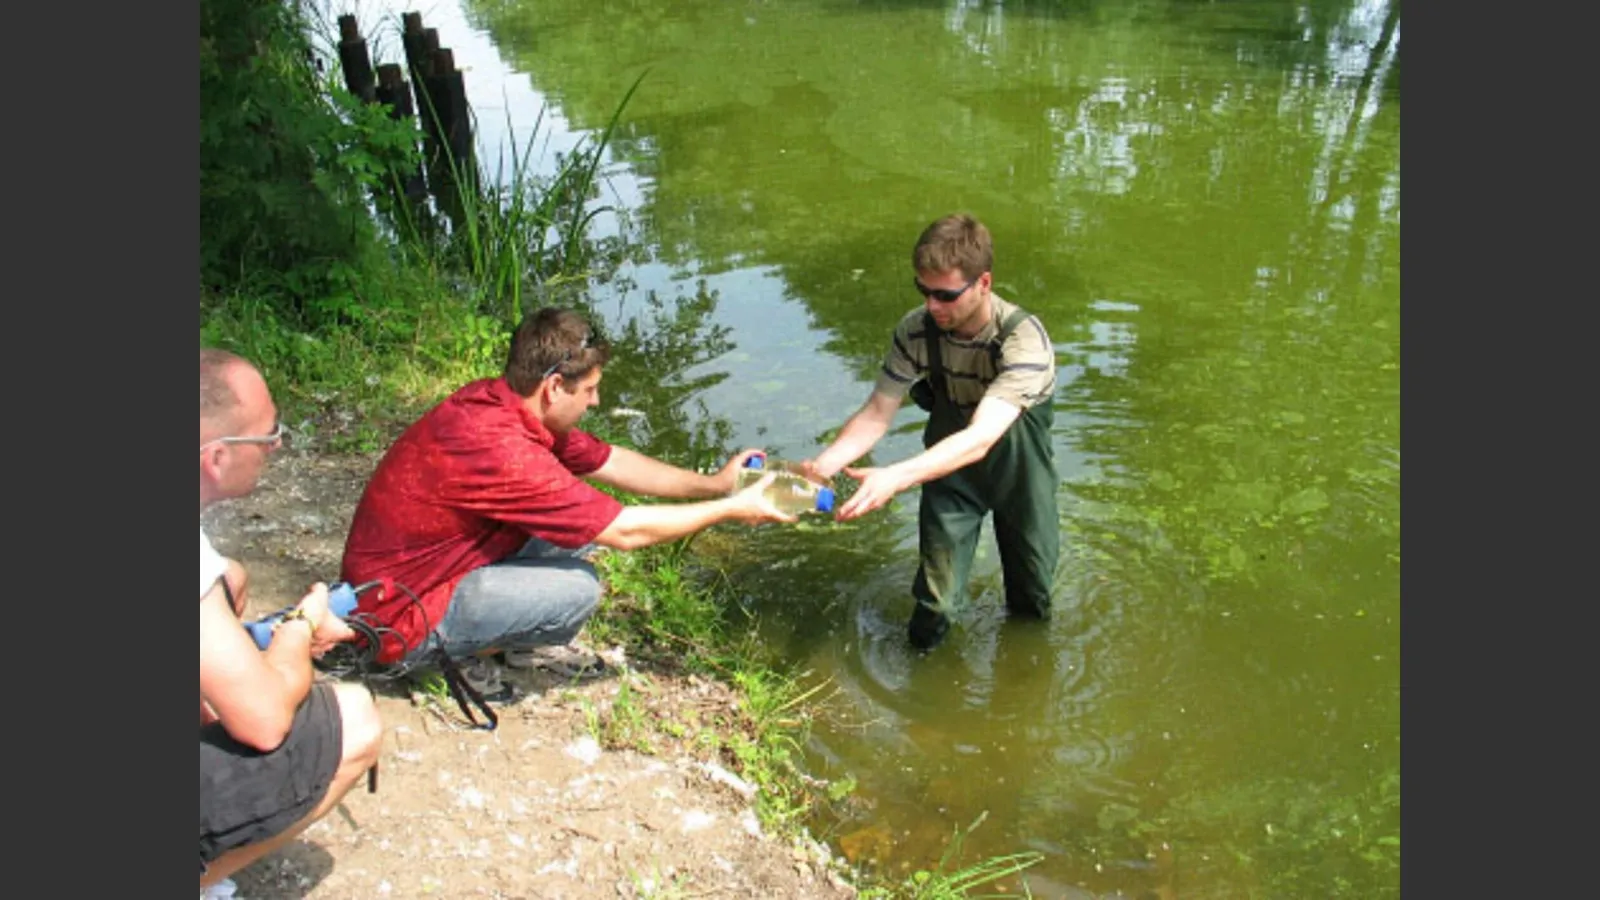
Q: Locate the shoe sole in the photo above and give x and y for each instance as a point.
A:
(582, 673)
(502, 694)
(507, 694)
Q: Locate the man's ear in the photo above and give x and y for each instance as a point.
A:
(546, 390)
(211, 461)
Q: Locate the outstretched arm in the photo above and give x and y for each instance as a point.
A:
(642, 526)
(879, 485)
(861, 432)
(636, 473)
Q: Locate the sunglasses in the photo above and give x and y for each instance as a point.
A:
(944, 295)
(569, 357)
(269, 439)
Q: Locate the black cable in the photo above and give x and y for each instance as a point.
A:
(359, 657)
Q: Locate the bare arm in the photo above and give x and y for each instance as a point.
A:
(642, 526)
(238, 583)
(639, 474)
(254, 692)
(860, 433)
(879, 485)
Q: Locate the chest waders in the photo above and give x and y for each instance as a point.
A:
(1016, 480)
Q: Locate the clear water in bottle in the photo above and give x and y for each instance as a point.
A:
(791, 491)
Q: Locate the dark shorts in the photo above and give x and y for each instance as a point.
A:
(247, 796)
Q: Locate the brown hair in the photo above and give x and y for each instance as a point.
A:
(954, 242)
(552, 337)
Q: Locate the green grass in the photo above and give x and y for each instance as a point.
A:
(665, 610)
(349, 387)
(659, 886)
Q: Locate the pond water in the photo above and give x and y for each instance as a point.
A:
(1201, 201)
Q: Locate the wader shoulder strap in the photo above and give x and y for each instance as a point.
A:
(1017, 317)
(931, 334)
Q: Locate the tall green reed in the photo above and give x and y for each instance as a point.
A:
(515, 229)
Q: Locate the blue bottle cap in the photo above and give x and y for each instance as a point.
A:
(825, 500)
(753, 462)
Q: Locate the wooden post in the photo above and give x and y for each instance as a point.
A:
(420, 64)
(430, 49)
(457, 132)
(395, 93)
(454, 173)
(430, 46)
(355, 60)
(419, 59)
(416, 52)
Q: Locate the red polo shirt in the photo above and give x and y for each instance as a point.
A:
(465, 486)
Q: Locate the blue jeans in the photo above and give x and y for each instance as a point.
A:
(539, 596)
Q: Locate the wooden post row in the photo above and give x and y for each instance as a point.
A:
(355, 61)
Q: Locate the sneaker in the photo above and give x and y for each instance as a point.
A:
(222, 890)
(566, 661)
(483, 675)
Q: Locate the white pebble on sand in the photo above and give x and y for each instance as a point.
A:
(750, 823)
(584, 749)
(695, 820)
(470, 796)
(567, 867)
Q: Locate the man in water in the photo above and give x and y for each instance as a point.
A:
(984, 368)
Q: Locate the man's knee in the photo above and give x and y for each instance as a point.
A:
(360, 723)
(590, 591)
(580, 604)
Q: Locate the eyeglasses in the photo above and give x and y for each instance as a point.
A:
(944, 295)
(569, 357)
(269, 439)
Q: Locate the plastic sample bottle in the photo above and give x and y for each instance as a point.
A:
(790, 491)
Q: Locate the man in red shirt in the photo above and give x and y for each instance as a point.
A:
(481, 509)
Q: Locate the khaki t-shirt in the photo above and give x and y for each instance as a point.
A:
(1025, 375)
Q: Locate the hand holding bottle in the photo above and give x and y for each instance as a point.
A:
(786, 488)
(753, 504)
